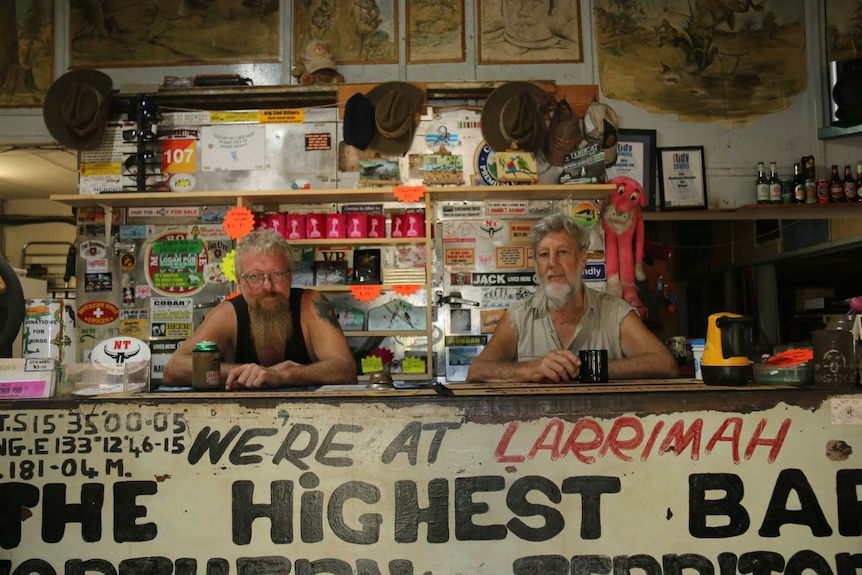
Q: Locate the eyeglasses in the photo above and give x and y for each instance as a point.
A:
(257, 280)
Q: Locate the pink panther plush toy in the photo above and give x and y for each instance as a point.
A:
(624, 226)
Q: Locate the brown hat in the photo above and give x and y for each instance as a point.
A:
(76, 108)
(602, 127)
(514, 115)
(564, 134)
(396, 114)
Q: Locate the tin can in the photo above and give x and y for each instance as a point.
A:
(206, 366)
(810, 192)
(823, 195)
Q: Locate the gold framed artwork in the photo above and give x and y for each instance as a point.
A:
(26, 58)
(841, 29)
(435, 31)
(358, 31)
(528, 31)
(173, 33)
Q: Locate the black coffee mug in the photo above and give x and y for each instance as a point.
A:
(594, 365)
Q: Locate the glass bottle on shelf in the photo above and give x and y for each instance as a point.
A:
(762, 185)
(836, 186)
(798, 184)
(849, 185)
(858, 197)
(774, 184)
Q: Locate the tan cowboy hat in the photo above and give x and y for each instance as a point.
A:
(397, 106)
(514, 116)
(76, 108)
(601, 126)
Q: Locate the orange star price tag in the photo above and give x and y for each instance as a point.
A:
(238, 222)
(366, 292)
(405, 289)
(408, 194)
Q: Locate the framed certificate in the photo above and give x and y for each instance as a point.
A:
(683, 178)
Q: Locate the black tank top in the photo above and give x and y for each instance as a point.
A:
(294, 349)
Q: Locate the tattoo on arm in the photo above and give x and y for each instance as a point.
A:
(325, 311)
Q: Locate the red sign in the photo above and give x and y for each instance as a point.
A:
(98, 313)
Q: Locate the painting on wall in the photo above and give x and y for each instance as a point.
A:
(358, 31)
(726, 62)
(26, 53)
(435, 31)
(172, 33)
(843, 32)
(528, 31)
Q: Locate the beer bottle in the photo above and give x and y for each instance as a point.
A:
(774, 184)
(858, 197)
(836, 186)
(849, 185)
(798, 184)
(762, 185)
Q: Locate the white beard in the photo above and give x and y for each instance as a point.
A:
(559, 295)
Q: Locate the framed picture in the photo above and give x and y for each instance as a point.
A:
(518, 32)
(29, 55)
(435, 31)
(160, 33)
(330, 273)
(636, 159)
(358, 31)
(683, 178)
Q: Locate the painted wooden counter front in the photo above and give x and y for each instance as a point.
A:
(665, 478)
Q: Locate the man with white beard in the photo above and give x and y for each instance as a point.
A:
(272, 335)
(538, 339)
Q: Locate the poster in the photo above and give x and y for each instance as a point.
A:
(372, 487)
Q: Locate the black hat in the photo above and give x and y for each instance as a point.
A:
(358, 121)
(396, 114)
(76, 108)
(514, 116)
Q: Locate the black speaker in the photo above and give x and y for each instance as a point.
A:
(846, 90)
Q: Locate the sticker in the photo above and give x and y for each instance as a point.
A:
(178, 157)
(459, 257)
(512, 279)
(182, 183)
(519, 232)
(511, 257)
(485, 166)
(594, 272)
(128, 261)
(93, 249)
(586, 214)
(491, 227)
(98, 313)
(98, 282)
(440, 137)
(175, 263)
(120, 355)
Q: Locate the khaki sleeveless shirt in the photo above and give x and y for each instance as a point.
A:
(599, 327)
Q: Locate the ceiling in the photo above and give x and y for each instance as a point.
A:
(37, 172)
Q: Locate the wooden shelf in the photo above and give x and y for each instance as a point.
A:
(832, 132)
(763, 212)
(337, 195)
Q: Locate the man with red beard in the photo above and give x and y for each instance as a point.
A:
(272, 335)
(538, 339)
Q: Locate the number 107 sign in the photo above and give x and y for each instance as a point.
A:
(178, 156)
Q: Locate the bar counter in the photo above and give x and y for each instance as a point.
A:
(656, 476)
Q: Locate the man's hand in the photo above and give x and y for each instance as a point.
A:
(254, 376)
(558, 366)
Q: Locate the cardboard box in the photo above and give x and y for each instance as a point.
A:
(812, 298)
